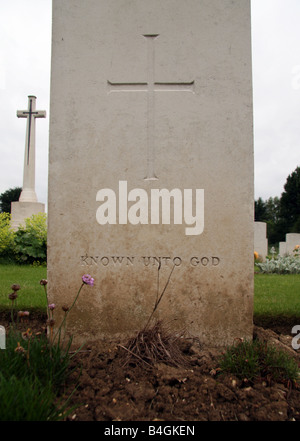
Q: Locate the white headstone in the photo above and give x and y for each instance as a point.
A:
(292, 239)
(260, 239)
(288, 247)
(151, 165)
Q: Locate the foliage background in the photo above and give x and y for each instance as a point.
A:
(282, 215)
(26, 245)
(9, 196)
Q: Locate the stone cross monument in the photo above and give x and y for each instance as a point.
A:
(28, 203)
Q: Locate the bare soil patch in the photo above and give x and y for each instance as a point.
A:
(111, 389)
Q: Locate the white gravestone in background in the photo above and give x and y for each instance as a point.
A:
(292, 240)
(288, 247)
(151, 165)
(260, 239)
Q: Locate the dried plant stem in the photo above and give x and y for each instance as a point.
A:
(63, 323)
(158, 297)
(155, 343)
(46, 294)
(135, 355)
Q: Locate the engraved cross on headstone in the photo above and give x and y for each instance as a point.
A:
(28, 192)
(150, 87)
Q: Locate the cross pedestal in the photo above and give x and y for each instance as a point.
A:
(28, 203)
(22, 210)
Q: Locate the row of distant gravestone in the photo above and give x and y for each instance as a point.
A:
(261, 241)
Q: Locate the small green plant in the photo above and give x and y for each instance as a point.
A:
(281, 265)
(273, 252)
(259, 361)
(31, 240)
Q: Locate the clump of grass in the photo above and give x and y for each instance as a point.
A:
(156, 342)
(31, 378)
(259, 361)
(24, 399)
(34, 368)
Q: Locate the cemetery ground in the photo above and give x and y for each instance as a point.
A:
(104, 381)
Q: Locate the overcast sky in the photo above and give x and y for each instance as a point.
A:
(25, 52)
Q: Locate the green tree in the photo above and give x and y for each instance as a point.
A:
(290, 203)
(8, 197)
(260, 210)
(281, 214)
(274, 222)
(269, 211)
(272, 206)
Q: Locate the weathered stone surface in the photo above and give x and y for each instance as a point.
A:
(150, 95)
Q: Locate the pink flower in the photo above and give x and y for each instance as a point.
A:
(88, 280)
(51, 306)
(23, 314)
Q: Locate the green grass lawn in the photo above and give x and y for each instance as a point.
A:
(277, 294)
(273, 295)
(31, 295)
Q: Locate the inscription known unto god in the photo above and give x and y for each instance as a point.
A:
(148, 260)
